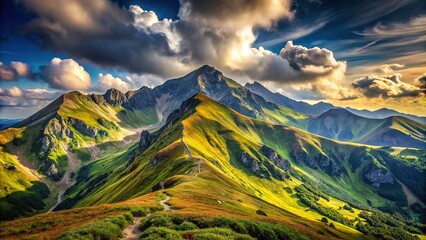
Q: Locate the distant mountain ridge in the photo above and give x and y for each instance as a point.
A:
(278, 98)
(322, 107)
(5, 123)
(343, 125)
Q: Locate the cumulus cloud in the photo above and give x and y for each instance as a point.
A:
(388, 68)
(421, 82)
(314, 60)
(389, 86)
(220, 33)
(16, 97)
(107, 81)
(65, 74)
(14, 71)
(235, 14)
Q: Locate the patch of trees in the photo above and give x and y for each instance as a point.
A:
(22, 203)
(309, 197)
(386, 226)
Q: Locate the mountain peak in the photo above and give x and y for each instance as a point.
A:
(205, 68)
(115, 97)
(208, 70)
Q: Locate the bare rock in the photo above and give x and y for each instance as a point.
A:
(376, 176)
(279, 161)
(145, 140)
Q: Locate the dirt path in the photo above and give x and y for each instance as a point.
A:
(190, 155)
(187, 148)
(132, 231)
(164, 204)
(199, 167)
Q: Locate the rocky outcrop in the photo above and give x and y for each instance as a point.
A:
(52, 170)
(376, 176)
(145, 140)
(328, 165)
(144, 98)
(58, 127)
(250, 162)
(45, 143)
(279, 161)
(114, 97)
(254, 165)
(84, 129)
(319, 160)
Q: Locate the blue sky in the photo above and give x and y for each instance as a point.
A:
(308, 50)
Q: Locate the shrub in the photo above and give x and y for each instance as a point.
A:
(324, 220)
(186, 226)
(108, 228)
(216, 228)
(164, 233)
(332, 225)
(157, 221)
(139, 211)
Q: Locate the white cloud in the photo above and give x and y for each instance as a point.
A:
(65, 74)
(14, 71)
(220, 33)
(16, 97)
(388, 68)
(11, 92)
(107, 81)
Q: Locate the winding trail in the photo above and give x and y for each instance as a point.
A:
(165, 205)
(190, 155)
(132, 231)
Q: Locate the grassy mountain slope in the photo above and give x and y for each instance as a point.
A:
(209, 156)
(44, 143)
(393, 131)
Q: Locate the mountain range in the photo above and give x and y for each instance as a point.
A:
(322, 107)
(216, 149)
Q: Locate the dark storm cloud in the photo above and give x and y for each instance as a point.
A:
(100, 32)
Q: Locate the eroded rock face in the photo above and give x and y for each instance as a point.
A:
(320, 161)
(145, 140)
(250, 162)
(279, 161)
(376, 176)
(45, 143)
(326, 164)
(52, 170)
(299, 155)
(87, 130)
(115, 97)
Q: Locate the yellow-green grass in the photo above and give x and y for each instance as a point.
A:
(50, 225)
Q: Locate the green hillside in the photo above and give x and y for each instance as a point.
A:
(216, 157)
